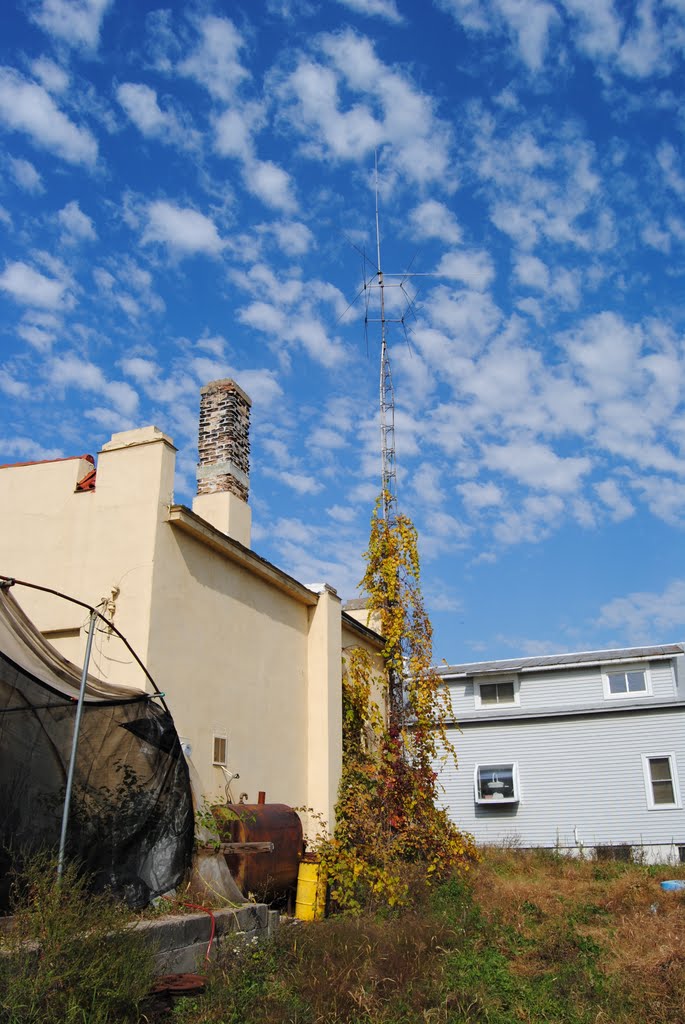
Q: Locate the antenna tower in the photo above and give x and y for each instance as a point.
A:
(387, 393)
(379, 282)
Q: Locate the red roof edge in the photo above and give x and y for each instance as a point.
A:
(45, 462)
(87, 482)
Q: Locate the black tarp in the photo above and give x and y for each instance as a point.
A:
(131, 824)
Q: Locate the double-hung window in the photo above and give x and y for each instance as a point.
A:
(502, 693)
(497, 783)
(626, 681)
(661, 781)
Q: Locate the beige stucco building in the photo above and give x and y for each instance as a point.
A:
(243, 652)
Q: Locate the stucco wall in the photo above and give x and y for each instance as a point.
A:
(231, 652)
(239, 648)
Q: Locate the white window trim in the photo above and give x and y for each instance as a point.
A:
(608, 670)
(515, 799)
(651, 806)
(220, 736)
(486, 680)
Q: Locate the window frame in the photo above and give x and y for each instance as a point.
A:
(489, 681)
(612, 670)
(219, 736)
(505, 800)
(649, 791)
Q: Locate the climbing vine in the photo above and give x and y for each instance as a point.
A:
(394, 730)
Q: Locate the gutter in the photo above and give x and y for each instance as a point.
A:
(524, 716)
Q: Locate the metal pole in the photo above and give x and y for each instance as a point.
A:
(74, 746)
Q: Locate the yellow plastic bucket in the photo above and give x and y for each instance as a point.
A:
(310, 901)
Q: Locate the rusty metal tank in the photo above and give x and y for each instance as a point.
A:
(267, 874)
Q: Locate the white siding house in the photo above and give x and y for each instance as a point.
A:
(573, 752)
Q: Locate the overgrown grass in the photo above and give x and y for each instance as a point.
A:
(70, 956)
(528, 938)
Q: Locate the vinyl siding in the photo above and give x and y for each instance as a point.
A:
(582, 773)
(559, 690)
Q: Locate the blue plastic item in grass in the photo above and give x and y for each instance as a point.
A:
(673, 885)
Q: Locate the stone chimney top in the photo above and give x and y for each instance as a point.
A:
(224, 441)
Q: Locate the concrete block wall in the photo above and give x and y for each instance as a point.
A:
(181, 940)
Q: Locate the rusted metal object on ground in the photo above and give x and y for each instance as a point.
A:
(179, 984)
(267, 874)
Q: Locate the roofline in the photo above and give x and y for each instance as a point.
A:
(184, 519)
(610, 708)
(45, 462)
(358, 627)
(552, 662)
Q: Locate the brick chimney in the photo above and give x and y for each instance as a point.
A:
(223, 472)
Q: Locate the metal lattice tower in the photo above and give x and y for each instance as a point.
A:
(387, 393)
(379, 282)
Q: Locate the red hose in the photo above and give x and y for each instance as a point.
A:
(195, 906)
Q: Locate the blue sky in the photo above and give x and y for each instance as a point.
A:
(184, 192)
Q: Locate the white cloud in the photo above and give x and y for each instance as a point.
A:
(183, 230)
(613, 497)
(665, 497)
(326, 438)
(667, 158)
(28, 450)
(527, 22)
(479, 496)
(375, 8)
(432, 219)
(215, 62)
(140, 103)
(537, 465)
(76, 22)
(428, 483)
(532, 272)
(27, 107)
(604, 351)
(473, 268)
(12, 387)
(641, 615)
(233, 132)
(26, 176)
(600, 28)
(71, 371)
(342, 513)
(641, 52)
(271, 184)
(293, 237)
(36, 336)
(391, 110)
(537, 517)
(76, 223)
(31, 288)
(50, 75)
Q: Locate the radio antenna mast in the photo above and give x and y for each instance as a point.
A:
(387, 393)
(379, 281)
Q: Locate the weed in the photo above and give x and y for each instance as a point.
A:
(70, 957)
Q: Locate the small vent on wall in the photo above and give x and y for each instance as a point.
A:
(219, 754)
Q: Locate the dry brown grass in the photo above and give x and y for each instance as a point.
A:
(553, 902)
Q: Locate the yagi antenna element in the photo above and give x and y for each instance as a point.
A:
(379, 281)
